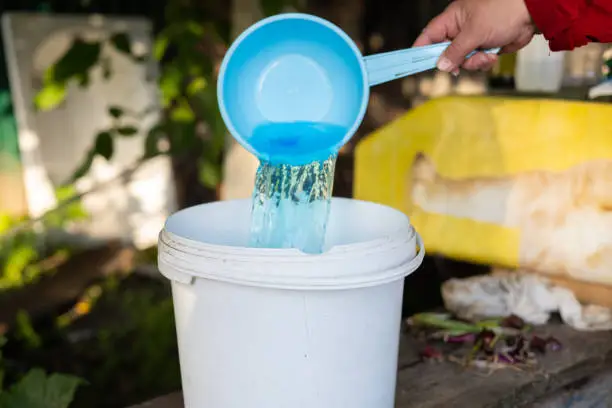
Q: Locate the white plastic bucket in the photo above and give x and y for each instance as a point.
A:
(538, 69)
(277, 328)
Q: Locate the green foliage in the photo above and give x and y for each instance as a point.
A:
(145, 330)
(104, 145)
(74, 65)
(37, 389)
(121, 42)
(25, 331)
(186, 87)
(22, 253)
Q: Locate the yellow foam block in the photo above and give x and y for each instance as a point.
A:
(493, 166)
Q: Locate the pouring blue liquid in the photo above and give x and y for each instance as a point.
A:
(296, 143)
(293, 89)
(293, 185)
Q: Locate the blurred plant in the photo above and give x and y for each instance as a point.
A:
(25, 255)
(25, 332)
(189, 48)
(37, 390)
(148, 365)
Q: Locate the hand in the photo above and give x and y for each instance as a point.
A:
(475, 24)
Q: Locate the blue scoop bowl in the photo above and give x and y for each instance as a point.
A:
(294, 88)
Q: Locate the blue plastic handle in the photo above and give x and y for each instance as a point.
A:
(392, 65)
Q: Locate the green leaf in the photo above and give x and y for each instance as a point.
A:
(115, 111)
(489, 323)
(50, 96)
(83, 169)
(36, 390)
(170, 84)
(161, 46)
(127, 130)
(196, 85)
(104, 145)
(78, 60)
(443, 321)
(16, 263)
(25, 331)
(83, 79)
(65, 192)
(70, 212)
(209, 173)
(196, 29)
(152, 141)
(182, 112)
(61, 389)
(272, 7)
(121, 42)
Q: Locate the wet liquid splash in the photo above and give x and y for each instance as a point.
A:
(291, 205)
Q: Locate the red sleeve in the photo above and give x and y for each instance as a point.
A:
(568, 24)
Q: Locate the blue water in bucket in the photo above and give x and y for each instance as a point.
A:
(293, 89)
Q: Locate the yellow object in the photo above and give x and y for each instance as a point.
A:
(500, 181)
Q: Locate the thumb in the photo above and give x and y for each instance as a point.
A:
(466, 42)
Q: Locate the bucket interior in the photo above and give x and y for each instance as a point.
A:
(227, 223)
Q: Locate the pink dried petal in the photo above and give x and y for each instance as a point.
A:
(461, 338)
(429, 353)
(538, 344)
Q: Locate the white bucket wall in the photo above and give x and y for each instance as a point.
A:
(268, 328)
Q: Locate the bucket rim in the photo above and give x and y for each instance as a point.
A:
(376, 261)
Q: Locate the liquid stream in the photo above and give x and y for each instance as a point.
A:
(291, 205)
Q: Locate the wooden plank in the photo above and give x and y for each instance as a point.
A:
(585, 360)
(450, 385)
(593, 392)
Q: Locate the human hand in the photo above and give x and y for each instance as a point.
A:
(474, 24)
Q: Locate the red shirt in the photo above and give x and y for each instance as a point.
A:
(568, 24)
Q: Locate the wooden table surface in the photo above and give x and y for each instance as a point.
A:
(580, 375)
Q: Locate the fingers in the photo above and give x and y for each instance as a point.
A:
(480, 61)
(423, 39)
(454, 56)
(518, 44)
